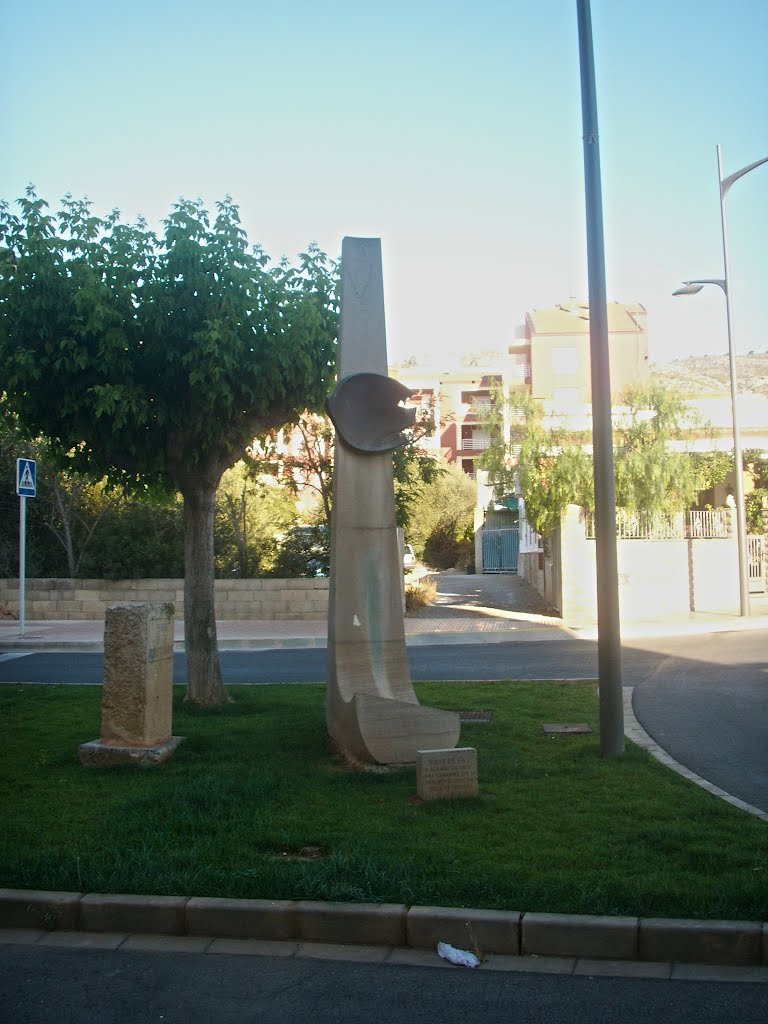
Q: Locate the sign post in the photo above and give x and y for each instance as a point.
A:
(26, 487)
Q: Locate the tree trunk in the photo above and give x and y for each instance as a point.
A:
(204, 682)
(66, 537)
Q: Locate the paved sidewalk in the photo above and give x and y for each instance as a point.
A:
(88, 635)
(485, 625)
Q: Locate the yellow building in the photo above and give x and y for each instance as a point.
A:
(552, 358)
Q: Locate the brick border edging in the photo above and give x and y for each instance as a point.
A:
(743, 943)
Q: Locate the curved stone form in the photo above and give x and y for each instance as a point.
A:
(372, 712)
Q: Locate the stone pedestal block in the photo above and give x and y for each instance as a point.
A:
(136, 710)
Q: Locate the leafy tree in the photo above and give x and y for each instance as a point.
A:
(252, 514)
(76, 507)
(442, 517)
(547, 458)
(305, 551)
(302, 462)
(415, 469)
(139, 537)
(308, 464)
(756, 460)
(552, 462)
(62, 518)
(651, 474)
(156, 359)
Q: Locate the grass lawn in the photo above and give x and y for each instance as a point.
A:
(555, 827)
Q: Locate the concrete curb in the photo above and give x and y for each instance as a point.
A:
(391, 925)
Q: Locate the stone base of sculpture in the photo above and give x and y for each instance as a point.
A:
(374, 729)
(96, 754)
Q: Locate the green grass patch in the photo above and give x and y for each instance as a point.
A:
(253, 804)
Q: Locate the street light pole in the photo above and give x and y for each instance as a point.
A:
(608, 622)
(691, 288)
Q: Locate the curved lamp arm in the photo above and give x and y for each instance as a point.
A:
(726, 183)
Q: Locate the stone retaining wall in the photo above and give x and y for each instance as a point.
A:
(305, 599)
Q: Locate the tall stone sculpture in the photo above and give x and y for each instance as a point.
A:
(372, 712)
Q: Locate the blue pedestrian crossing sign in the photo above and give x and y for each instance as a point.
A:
(26, 478)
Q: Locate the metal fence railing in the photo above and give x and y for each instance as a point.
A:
(712, 523)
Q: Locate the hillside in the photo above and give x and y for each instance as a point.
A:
(710, 375)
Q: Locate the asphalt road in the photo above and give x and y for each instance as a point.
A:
(41, 985)
(725, 658)
(454, 662)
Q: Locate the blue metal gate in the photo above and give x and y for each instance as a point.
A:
(500, 549)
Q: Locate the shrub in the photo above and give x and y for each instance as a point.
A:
(419, 595)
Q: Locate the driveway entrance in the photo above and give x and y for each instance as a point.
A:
(500, 550)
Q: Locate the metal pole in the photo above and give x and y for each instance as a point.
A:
(22, 560)
(738, 466)
(608, 630)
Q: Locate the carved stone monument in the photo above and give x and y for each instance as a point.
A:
(372, 712)
(136, 707)
(446, 774)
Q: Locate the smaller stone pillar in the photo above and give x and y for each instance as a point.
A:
(136, 708)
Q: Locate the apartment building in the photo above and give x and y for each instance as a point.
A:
(549, 358)
(460, 400)
(552, 357)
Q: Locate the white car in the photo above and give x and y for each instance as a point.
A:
(409, 556)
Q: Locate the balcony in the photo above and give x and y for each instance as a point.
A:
(475, 444)
(519, 373)
(478, 409)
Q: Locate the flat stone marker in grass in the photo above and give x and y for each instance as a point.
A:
(136, 707)
(446, 774)
(576, 728)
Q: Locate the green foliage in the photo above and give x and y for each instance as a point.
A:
(551, 462)
(61, 519)
(252, 514)
(304, 551)
(147, 357)
(154, 360)
(442, 518)
(303, 462)
(754, 509)
(308, 466)
(415, 469)
(138, 538)
(650, 475)
(756, 461)
(542, 454)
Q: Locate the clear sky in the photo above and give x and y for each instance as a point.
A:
(452, 130)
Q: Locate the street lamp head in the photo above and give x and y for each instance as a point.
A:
(689, 289)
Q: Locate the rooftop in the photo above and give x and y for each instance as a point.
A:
(573, 318)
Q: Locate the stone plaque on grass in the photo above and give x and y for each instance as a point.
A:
(446, 774)
(136, 708)
(571, 728)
